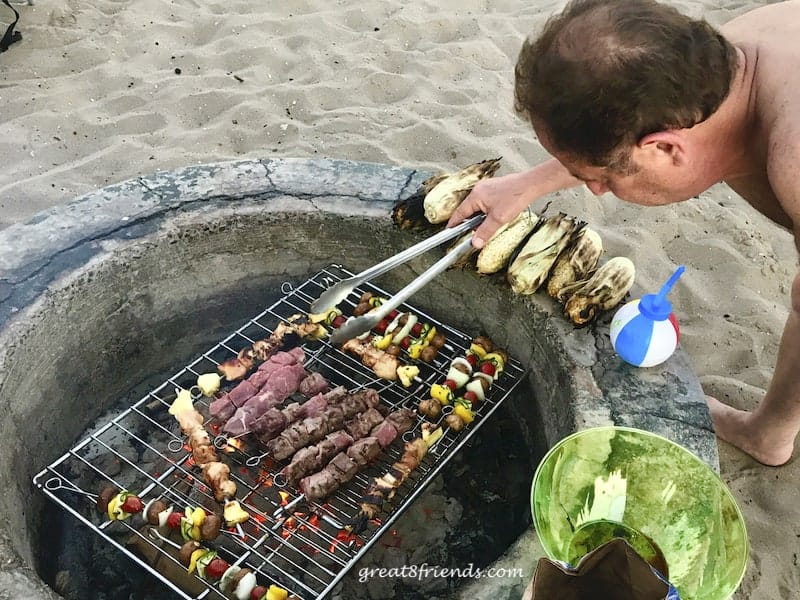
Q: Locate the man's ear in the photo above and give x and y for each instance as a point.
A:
(661, 145)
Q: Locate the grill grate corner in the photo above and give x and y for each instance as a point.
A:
(298, 545)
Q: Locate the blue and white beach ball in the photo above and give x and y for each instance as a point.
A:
(642, 336)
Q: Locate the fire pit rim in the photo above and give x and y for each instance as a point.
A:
(54, 243)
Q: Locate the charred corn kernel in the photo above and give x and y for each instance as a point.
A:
(276, 593)
(464, 413)
(234, 514)
(602, 291)
(406, 374)
(577, 262)
(196, 555)
(384, 342)
(499, 248)
(208, 383)
(538, 255)
(445, 192)
(182, 402)
(442, 393)
(477, 350)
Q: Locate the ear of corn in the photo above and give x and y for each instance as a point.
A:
(498, 250)
(468, 259)
(577, 262)
(536, 258)
(602, 291)
(445, 194)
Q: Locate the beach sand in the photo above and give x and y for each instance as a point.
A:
(103, 91)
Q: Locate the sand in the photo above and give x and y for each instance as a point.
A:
(99, 92)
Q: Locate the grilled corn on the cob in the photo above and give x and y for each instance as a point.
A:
(446, 192)
(498, 250)
(602, 291)
(576, 263)
(536, 258)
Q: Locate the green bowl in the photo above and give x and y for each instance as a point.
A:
(608, 482)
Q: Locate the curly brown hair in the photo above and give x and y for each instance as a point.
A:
(605, 73)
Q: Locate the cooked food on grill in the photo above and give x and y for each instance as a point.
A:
(215, 473)
(330, 405)
(383, 488)
(192, 523)
(238, 582)
(285, 335)
(602, 291)
(313, 458)
(344, 465)
(208, 384)
(383, 364)
(467, 383)
(118, 504)
(440, 195)
(287, 365)
(576, 263)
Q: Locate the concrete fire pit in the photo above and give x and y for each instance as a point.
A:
(101, 297)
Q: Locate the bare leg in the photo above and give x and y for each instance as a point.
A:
(768, 433)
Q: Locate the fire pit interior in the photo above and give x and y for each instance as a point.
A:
(103, 300)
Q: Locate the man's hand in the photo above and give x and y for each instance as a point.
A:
(500, 198)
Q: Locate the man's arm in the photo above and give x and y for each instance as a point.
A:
(503, 198)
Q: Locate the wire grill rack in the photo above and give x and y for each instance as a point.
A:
(298, 545)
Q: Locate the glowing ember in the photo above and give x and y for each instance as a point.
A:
(284, 497)
(232, 445)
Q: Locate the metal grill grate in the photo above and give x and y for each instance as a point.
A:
(297, 545)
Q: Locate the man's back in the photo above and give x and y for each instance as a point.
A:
(770, 39)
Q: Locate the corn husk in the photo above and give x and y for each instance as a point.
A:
(606, 288)
(576, 263)
(496, 253)
(445, 193)
(537, 256)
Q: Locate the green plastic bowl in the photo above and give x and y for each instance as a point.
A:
(608, 482)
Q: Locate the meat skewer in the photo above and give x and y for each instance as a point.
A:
(215, 473)
(346, 464)
(383, 488)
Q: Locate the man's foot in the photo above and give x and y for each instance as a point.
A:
(739, 428)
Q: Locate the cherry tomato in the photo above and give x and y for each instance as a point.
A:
(405, 342)
(451, 384)
(132, 505)
(382, 325)
(216, 568)
(338, 321)
(174, 520)
(416, 329)
(471, 396)
(488, 368)
(258, 592)
(472, 360)
(392, 315)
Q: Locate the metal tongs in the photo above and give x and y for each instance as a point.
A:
(339, 291)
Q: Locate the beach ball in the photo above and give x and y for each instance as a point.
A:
(642, 336)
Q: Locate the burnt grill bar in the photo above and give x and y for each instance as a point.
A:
(295, 544)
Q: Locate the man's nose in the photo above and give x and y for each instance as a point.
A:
(596, 187)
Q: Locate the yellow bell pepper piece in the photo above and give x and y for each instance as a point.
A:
(431, 333)
(276, 593)
(194, 558)
(464, 413)
(198, 516)
(112, 507)
(384, 342)
(442, 393)
(477, 350)
(416, 348)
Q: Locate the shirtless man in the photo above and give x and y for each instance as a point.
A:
(631, 97)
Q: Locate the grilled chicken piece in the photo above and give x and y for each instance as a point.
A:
(216, 475)
(384, 365)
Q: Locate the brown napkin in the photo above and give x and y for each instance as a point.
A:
(613, 571)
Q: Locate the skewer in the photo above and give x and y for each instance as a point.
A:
(57, 483)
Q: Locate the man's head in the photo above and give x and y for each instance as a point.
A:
(605, 74)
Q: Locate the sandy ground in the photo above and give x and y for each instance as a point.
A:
(102, 91)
